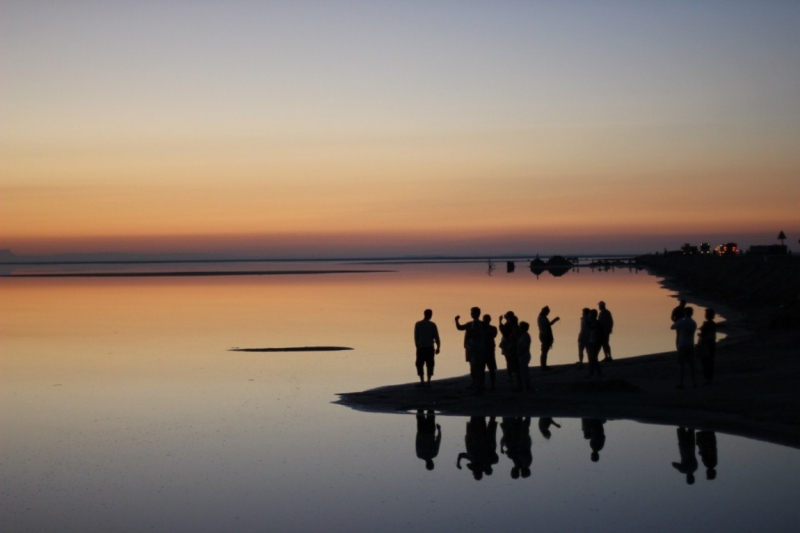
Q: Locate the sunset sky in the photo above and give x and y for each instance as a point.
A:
(294, 129)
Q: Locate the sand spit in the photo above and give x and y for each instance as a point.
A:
(294, 349)
(756, 391)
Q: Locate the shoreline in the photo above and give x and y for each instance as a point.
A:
(753, 397)
(754, 394)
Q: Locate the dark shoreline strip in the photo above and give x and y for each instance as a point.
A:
(294, 349)
(192, 273)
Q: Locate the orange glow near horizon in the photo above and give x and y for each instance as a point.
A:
(56, 202)
(521, 140)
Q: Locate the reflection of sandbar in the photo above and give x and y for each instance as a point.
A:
(190, 273)
(294, 349)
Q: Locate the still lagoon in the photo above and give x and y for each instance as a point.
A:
(123, 409)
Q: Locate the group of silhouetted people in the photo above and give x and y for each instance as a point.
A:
(704, 348)
(596, 327)
(594, 335)
(515, 344)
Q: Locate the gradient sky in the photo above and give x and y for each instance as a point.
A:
(340, 128)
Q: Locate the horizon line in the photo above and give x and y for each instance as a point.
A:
(226, 258)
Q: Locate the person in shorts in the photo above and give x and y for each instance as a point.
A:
(426, 338)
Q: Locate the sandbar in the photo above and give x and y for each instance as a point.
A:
(755, 392)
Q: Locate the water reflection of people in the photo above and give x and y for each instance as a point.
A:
(544, 426)
(595, 433)
(688, 464)
(516, 444)
(429, 437)
(707, 447)
(481, 442)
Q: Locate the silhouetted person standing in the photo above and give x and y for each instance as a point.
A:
(489, 336)
(707, 447)
(688, 464)
(594, 344)
(707, 345)
(429, 437)
(474, 346)
(524, 356)
(607, 321)
(677, 314)
(545, 334)
(426, 338)
(583, 334)
(686, 327)
(509, 328)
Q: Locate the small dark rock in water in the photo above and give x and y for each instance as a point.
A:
(294, 349)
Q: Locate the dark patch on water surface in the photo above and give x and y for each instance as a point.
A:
(610, 385)
(294, 349)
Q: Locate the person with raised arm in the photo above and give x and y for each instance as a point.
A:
(509, 328)
(474, 347)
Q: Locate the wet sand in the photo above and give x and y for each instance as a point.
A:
(756, 389)
(756, 392)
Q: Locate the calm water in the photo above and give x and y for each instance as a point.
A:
(122, 409)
